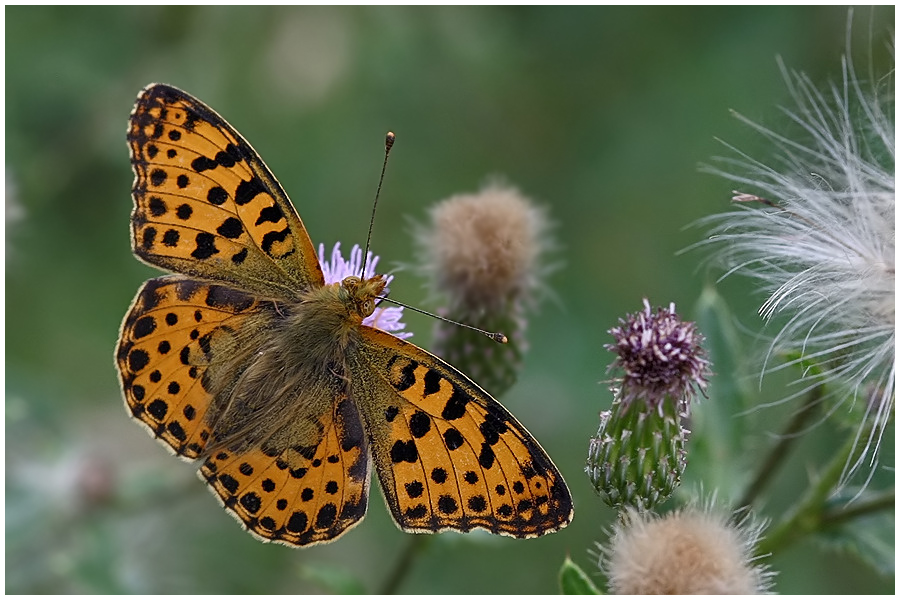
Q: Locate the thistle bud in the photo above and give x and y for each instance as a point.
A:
(483, 255)
(638, 456)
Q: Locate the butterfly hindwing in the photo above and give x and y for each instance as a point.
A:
(448, 455)
(164, 350)
(298, 495)
(206, 205)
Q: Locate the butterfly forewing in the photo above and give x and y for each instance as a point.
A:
(448, 455)
(206, 205)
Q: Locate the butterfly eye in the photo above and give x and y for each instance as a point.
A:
(368, 308)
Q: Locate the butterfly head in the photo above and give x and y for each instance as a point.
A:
(360, 294)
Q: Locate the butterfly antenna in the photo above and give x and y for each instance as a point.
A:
(388, 144)
(497, 337)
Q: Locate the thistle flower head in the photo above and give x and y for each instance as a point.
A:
(486, 248)
(695, 550)
(386, 318)
(817, 232)
(658, 356)
(638, 455)
(484, 255)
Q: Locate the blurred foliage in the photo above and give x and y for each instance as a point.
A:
(601, 114)
(574, 581)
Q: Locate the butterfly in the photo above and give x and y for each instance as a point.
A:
(246, 361)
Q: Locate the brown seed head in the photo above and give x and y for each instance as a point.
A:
(485, 249)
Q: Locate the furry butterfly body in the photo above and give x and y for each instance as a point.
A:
(248, 361)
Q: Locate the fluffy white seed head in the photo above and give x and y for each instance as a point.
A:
(816, 230)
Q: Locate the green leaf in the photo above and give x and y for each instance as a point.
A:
(870, 537)
(333, 579)
(572, 580)
(719, 435)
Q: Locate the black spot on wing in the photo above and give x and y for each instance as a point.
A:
(486, 456)
(419, 424)
(202, 163)
(230, 228)
(491, 428)
(158, 177)
(404, 377)
(438, 475)
(453, 438)
(432, 382)
(297, 522)
(477, 504)
(248, 190)
(239, 257)
(157, 206)
(251, 502)
(229, 483)
(456, 405)
(217, 196)
(144, 327)
(447, 505)
(416, 512)
(148, 237)
(270, 214)
(414, 489)
(404, 452)
(273, 237)
(137, 360)
(206, 246)
(326, 516)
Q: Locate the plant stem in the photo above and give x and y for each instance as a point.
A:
(414, 547)
(778, 452)
(808, 514)
(882, 501)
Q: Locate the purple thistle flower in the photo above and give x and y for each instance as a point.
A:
(660, 356)
(386, 318)
(639, 453)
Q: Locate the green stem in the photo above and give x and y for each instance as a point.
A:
(876, 503)
(415, 546)
(777, 454)
(808, 515)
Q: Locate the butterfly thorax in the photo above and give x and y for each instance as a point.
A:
(319, 327)
(293, 366)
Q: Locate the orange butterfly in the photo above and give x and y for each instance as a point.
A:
(247, 360)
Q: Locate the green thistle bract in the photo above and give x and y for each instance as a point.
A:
(638, 456)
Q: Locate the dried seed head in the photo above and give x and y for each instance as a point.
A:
(483, 250)
(696, 550)
(483, 254)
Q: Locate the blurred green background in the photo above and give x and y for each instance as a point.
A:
(599, 114)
